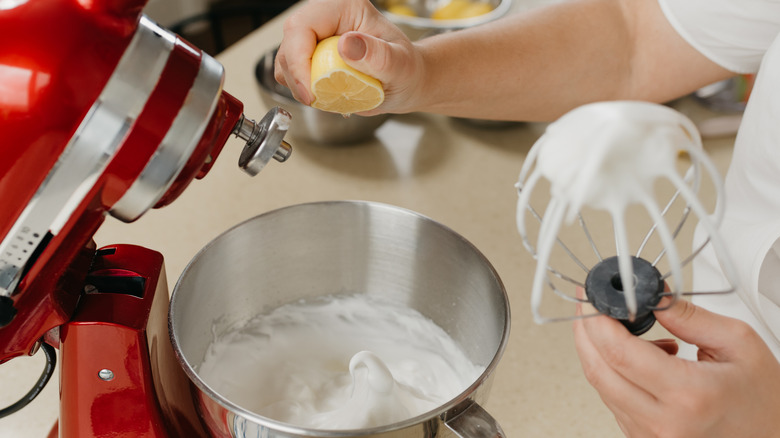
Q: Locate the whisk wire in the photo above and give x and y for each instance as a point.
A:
(560, 243)
(686, 212)
(668, 242)
(624, 263)
(589, 237)
(693, 173)
(564, 295)
(690, 258)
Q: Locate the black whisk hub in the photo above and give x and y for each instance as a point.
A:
(604, 289)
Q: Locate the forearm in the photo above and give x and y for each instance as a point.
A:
(538, 65)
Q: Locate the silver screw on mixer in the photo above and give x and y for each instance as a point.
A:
(264, 140)
(106, 375)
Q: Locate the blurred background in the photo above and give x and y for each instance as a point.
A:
(213, 25)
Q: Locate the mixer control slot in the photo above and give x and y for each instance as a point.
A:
(115, 284)
(105, 252)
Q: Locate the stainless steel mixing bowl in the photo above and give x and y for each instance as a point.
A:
(310, 123)
(317, 249)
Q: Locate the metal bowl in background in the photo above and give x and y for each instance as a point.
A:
(310, 123)
(422, 25)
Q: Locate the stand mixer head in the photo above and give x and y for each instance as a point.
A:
(608, 158)
(102, 111)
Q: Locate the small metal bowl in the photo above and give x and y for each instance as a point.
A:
(310, 123)
(421, 25)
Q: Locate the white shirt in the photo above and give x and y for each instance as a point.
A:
(743, 36)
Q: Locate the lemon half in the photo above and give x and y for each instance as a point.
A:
(339, 88)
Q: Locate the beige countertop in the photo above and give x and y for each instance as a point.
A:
(460, 175)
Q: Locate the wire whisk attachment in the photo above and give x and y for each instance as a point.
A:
(606, 164)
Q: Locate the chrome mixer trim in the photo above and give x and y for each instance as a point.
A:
(177, 145)
(88, 152)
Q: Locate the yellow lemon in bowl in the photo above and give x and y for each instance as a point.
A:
(476, 9)
(339, 88)
(459, 9)
(402, 9)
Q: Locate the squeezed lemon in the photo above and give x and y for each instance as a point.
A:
(339, 88)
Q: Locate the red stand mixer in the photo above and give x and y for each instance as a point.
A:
(102, 111)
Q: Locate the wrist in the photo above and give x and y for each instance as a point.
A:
(425, 94)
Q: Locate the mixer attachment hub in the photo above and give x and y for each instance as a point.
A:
(604, 289)
(264, 140)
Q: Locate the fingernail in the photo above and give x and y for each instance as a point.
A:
(354, 48)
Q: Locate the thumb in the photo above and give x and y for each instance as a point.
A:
(712, 333)
(366, 53)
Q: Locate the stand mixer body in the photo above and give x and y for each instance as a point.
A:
(101, 112)
(119, 376)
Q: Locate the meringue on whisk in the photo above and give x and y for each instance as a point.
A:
(610, 157)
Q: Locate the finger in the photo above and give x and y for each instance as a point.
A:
(279, 67)
(628, 424)
(370, 55)
(640, 362)
(668, 345)
(294, 71)
(623, 427)
(615, 391)
(624, 398)
(715, 335)
(302, 30)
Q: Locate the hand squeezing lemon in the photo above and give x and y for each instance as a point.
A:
(339, 88)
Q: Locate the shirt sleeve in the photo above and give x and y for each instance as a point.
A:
(734, 34)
